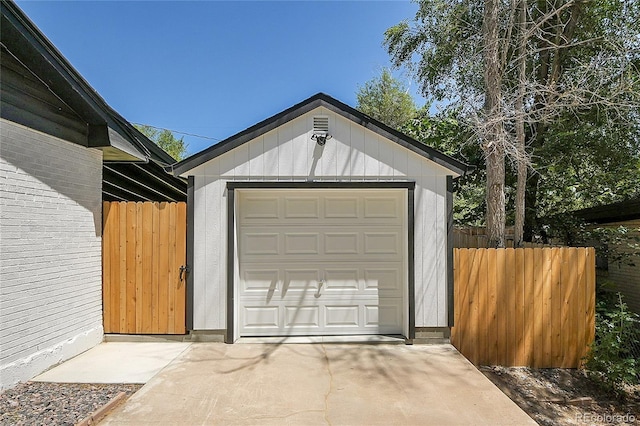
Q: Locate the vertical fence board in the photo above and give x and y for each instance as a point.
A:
(483, 315)
(172, 272)
(130, 322)
(502, 300)
(528, 307)
(475, 314)
(590, 308)
(147, 244)
(122, 296)
(547, 312)
(556, 310)
(139, 269)
(181, 255)
(163, 267)
(114, 294)
(155, 267)
(511, 313)
(569, 340)
(106, 266)
(144, 245)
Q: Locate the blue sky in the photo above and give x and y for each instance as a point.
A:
(214, 68)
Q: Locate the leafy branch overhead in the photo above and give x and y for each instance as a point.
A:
(533, 79)
(166, 140)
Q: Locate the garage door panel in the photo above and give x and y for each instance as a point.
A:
(302, 243)
(383, 207)
(260, 317)
(387, 242)
(341, 208)
(341, 243)
(330, 262)
(297, 316)
(300, 280)
(383, 279)
(341, 316)
(386, 315)
(373, 278)
(342, 279)
(260, 207)
(301, 207)
(261, 280)
(358, 317)
(260, 243)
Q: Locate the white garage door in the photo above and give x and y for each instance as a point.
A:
(321, 262)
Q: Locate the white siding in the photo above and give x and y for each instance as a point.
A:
(287, 153)
(50, 251)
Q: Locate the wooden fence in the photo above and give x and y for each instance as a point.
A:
(524, 307)
(143, 247)
(476, 237)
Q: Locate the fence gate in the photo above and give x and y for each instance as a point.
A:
(143, 250)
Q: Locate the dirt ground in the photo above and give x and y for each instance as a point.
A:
(558, 396)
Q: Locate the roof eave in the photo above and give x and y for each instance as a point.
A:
(43, 58)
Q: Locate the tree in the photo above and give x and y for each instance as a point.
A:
(386, 99)
(442, 131)
(165, 139)
(542, 62)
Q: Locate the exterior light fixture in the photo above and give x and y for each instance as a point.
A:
(321, 139)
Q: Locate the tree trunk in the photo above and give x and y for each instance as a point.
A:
(493, 144)
(530, 212)
(521, 183)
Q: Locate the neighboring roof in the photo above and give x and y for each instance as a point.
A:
(107, 130)
(141, 182)
(121, 143)
(319, 100)
(615, 212)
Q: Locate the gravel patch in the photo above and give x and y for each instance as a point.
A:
(45, 403)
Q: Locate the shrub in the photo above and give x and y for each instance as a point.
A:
(612, 359)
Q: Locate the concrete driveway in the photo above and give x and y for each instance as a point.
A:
(309, 384)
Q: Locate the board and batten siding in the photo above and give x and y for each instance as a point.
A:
(626, 277)
(288, 153)
(50, 259)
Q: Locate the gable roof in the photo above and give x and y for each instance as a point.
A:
(107, 130)
(332, 104)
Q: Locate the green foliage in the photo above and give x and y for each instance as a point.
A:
(588, 160)
(166, 140)
(582, 122)
(446, 133)
(387, 100)
(612, 360)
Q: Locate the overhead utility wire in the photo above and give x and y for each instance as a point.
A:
(179, 132)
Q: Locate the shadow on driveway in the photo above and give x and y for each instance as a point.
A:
(307, 384)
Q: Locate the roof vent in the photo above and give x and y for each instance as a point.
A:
(321, 129)
(320, 125)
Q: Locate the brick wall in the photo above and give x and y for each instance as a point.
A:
(50, 251)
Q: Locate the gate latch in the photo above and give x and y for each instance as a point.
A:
(184, 270)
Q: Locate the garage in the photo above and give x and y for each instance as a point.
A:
(319, 221)
(321, 262)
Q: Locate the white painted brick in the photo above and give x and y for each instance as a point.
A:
(50, 255)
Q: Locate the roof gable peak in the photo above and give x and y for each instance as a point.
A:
(319, 100)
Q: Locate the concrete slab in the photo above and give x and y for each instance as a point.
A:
(337, 384)
(121, 362)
